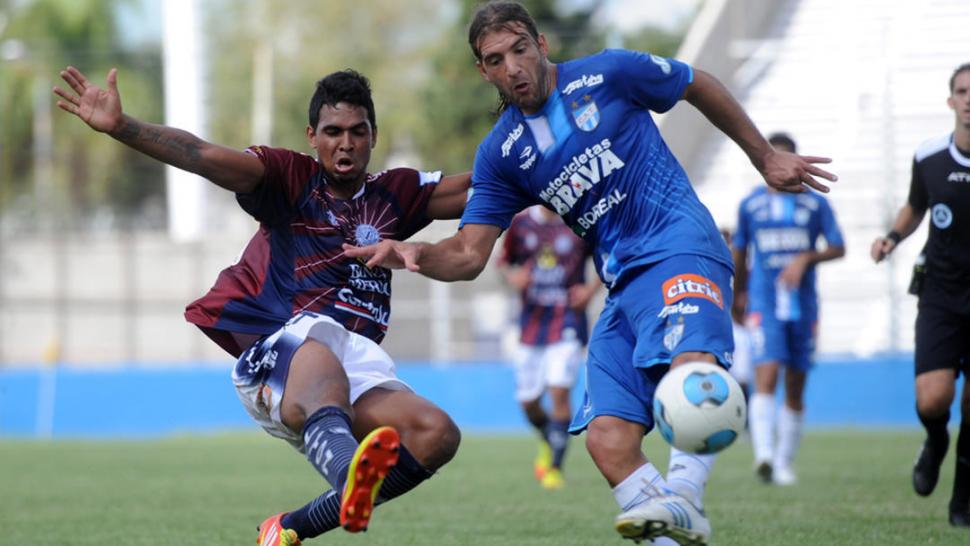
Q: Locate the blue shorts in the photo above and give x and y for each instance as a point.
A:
(790, 343)
(681, 304)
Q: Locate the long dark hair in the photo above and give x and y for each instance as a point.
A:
(494, 16)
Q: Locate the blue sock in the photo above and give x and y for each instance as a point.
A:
(330, 445)
(323, 513)
(557, 434)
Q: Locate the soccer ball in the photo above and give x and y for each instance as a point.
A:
(699, 408)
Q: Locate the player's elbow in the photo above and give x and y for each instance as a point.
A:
(471, 267)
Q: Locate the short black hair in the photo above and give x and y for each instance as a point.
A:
(347, 86)
(783, 139)
(965, 67)
(497, 15)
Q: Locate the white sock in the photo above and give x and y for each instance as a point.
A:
(789, 436)
(638, 486)
(664, 541)
(761, 417)
(687, 475)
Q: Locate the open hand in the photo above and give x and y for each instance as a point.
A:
(387, 253)
(99, 108)
(793, 173)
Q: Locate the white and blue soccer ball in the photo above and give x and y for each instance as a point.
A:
(698, 407)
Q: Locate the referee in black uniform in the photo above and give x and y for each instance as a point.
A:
(941, 186)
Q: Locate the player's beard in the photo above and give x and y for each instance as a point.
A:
(535, 102)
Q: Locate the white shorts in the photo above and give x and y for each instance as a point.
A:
(261, 371)
(743, 353)
(543, 366)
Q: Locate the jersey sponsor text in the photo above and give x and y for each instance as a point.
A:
(581, 173)
(783, 239)
(689, 285)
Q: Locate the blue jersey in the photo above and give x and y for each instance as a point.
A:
(594, 154)
(775, 227)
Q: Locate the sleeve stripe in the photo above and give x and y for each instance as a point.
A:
(429, 177)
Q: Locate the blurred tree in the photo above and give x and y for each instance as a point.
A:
(386, 40)
(49, 163)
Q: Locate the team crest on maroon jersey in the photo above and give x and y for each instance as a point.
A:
(367, 234)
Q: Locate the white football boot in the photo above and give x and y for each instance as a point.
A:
(665, 515)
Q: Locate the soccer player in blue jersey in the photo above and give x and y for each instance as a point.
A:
(546, 262)
(303, 319)
(578, 138)
(777, 234)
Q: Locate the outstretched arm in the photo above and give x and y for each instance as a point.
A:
(460, 257)
(781, 170)
(101, 110)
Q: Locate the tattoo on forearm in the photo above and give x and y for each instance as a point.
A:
(176, 141)
(128, 133)
(170, 145)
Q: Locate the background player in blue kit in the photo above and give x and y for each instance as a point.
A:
(578, 136)
(546, 262)
(940, 184)
(780, 304)
(301, 317)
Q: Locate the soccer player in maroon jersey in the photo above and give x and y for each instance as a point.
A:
(301, 317)
(546, 262)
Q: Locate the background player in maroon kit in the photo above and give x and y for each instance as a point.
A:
(302, 318)
(543, 259)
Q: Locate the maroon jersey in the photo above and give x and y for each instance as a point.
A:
(556, 260)
(295, 261)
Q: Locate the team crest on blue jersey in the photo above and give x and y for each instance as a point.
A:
(673, 333)
(586, 114)
(367, 234)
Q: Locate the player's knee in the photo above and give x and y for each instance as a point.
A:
(432, 438)
(605, 442)
(933, 405)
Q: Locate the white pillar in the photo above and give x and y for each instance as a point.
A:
(184, 90)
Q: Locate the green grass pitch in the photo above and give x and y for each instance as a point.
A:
(214, 490)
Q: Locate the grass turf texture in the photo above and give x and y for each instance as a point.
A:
(854, 490)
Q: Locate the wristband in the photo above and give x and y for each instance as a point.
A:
(894, 236)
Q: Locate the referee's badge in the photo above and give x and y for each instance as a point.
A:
(586, 114)
(942, 216)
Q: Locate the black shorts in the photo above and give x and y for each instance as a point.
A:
(942, 332)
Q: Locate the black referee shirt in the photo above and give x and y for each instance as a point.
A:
(941, 186)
